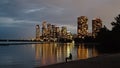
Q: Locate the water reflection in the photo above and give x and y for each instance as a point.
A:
(84, 51)
(51, 53)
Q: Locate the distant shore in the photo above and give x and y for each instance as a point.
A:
(104, 61)
(18, 42)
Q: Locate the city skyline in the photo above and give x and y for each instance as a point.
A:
(19, 17)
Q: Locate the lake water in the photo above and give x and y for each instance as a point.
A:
(34, 55)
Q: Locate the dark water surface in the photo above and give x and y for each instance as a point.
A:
(33, 55)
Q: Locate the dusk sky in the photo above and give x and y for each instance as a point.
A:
(19, 17)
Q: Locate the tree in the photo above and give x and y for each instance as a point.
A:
(103, 34)
(110, 40)
(116, 24)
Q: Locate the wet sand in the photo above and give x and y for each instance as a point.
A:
(104, 61)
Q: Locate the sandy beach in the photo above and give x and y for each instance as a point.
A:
(104, 61)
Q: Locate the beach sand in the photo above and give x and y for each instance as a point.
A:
(104, 61)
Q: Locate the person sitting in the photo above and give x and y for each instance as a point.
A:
(70, 57)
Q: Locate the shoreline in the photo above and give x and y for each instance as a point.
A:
(18, 43)
(103, 61)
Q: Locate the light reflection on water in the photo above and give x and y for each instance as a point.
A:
(33, 55)
(56, 53)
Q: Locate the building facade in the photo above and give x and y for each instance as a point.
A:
(82, 28)
(44, 29)
(96, 26)
(37, 32)
(63, 31)
(49, 28)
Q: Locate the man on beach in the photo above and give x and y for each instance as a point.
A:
(70, 57)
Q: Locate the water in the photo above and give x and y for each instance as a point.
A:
(34, 55)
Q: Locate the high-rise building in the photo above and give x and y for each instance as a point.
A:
(49, 28)
(69, 35)
(96, 26)
(53, 31)
(44, 29)
(57, 30)
(37, 32)
(63, 31)
(82, 28)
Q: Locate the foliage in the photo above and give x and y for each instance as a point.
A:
(116, 24)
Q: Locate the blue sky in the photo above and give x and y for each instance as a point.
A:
(19, 17)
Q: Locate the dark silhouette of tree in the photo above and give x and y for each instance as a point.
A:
(110, 40)
(111, 36)
(103, 34)
(116, 29)
(116, 24)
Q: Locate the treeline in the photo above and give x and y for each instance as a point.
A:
(110, 39)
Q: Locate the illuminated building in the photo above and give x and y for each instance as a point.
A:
(49, 28)
(82, 29)
(96, 26)
(53, 31)
(37, 32)
(63, 31)
(44, 29)
(57, 30)
(69, 35)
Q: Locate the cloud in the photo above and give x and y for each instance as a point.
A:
(8, 20)
(11, 22)
(60, 12)
(34, 10)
